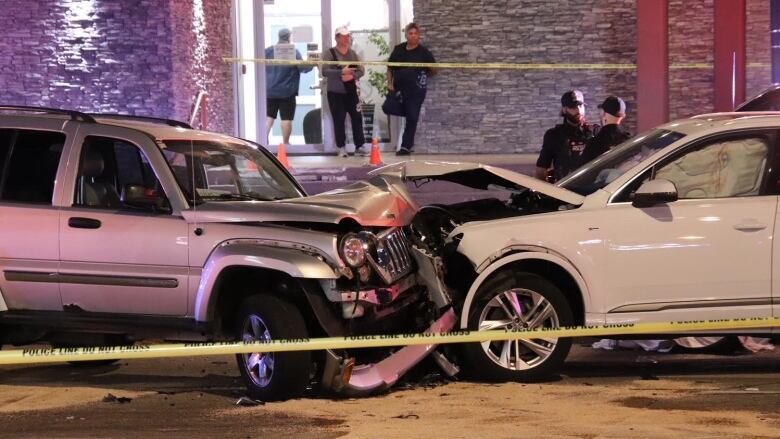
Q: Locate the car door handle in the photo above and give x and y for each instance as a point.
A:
(83, 223)
(750, 225)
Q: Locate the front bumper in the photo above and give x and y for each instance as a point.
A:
(370, 378)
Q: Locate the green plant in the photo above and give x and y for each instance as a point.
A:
(378, 80)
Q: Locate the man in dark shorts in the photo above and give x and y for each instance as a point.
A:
(281, 86)
(412, 82)
(564, 143)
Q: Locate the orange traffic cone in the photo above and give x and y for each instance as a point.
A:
(281, 154)
(376, 156)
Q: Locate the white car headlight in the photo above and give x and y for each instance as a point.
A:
(353, 250)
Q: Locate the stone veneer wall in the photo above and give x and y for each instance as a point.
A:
(115, 56)
(202, 32)
(508, 111)
(150, 57)
(491, 111)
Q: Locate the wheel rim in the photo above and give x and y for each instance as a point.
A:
(258, 365)
(519, 309)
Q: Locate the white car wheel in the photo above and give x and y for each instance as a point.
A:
(517, 301)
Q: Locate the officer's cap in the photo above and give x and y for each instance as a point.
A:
(572, 99)
(614, 106)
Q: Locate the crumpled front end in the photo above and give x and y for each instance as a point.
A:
(343, 376)
(377, 281)
(398, 289)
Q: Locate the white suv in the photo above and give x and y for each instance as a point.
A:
(674, 224)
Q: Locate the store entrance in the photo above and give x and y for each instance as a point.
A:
(262, 32)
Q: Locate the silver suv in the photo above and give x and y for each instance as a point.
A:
(118, 228)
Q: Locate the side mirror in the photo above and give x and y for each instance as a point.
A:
(654, 192)
(135, 195)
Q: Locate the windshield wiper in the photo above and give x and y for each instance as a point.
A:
(264, 197)
(239, 197)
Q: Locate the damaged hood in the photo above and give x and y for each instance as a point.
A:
(477, 176)
(381, 202)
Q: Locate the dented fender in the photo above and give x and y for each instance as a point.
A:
(526, 255)
(298, 261)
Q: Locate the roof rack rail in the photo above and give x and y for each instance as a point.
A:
(170, 122)
(74, 115)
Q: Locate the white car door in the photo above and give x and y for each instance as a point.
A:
(707, 255)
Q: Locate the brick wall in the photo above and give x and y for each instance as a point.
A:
(691, 40)
(758, 51)
(113, 56)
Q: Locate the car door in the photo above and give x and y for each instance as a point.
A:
(30, 156)
(122, 249)
(707, 255)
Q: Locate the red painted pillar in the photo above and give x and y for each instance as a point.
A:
(652, 74)
(730, 20)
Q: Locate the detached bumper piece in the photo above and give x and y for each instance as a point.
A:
(343, 376)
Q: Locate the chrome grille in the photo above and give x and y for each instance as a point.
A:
(393, 254)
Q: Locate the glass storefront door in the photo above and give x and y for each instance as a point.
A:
(303, 18)
(372, 23)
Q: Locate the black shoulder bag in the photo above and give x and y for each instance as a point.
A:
(394, 104)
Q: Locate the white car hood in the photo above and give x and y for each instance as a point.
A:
(476, 175)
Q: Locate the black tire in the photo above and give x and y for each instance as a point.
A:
(109, 341)
(94, 363)
(723, 345)
(289, 371)
(483, 362)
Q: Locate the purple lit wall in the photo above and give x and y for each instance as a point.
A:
(144, 57)
(202, 36)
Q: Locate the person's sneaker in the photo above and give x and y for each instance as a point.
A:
(361, 151)
(342, 153)
(403, 151)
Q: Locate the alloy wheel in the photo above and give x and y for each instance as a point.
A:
(259, 365)
(519, 309)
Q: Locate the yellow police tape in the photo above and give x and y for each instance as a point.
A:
(485, 66)
(50, 355)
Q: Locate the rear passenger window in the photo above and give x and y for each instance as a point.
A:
(29, 161)
(116, 174)
(6, 139)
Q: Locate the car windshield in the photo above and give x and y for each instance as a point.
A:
(606, 168)
(224, 171)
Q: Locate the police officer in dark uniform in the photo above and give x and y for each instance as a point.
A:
(564, 143)
(613, 111)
